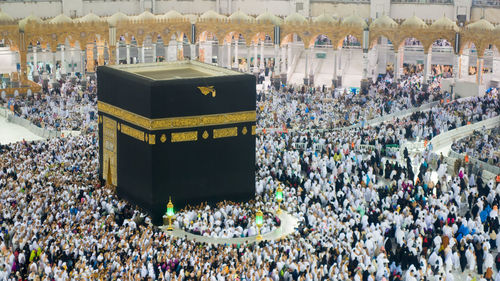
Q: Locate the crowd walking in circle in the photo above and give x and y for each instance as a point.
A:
(364, 213)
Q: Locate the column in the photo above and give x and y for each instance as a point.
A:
(82, 62)
(154, 52)
(283, 59)
(396, 66)
(219, 55)
(53, 69)
(364, 83)
(289, 59)
(100, 53)
(90, 57)
(128, 53)
(306, 72)
(165, 47)
(143, 51)
(335, 53)
(228, 47)
(276, 59)
(365, 64)
(249, 56)
(180, 51)
(63, 61)
(23, 57)
(111, 55)
(262, 54)
(456, 66)
(192, 49)
(311, 59)
(339, 59)
(117, 50)
(72, 61)
(427, 65)
(236, 61)
(283, 65)
(401, 61)
(255, 65)
(35, 60)
(479, 76)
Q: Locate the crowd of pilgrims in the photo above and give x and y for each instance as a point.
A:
(301, 108)
(68, 108)
(226, 220)
(363, 214)
(482, 145)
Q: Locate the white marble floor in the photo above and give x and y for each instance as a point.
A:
(10, 133)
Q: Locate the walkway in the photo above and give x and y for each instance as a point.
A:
(10, 132)
(288, 225)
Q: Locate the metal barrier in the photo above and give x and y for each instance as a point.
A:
(299, 145)
(41, 132)
(486, 3)
(490, 168)
(423, 2)
(449, 137)
(399, 114)
(318, 147)
(371, 122)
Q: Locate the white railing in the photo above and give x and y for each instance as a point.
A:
(41, 132)
(371, 122)
(442, 49)
(400, 114)
(351, 46)
(318, 147)
(490, 168)
(447, 138)
(414, 48)
(303, 146)
(486, 3)
(299, 145)
(323, 46)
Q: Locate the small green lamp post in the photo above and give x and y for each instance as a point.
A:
(259, 221)
(170, 214)
(279, 198)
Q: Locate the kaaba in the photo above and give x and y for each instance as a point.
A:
(182, 130)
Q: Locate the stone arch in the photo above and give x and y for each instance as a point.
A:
(342, 41)
(329, 38)
(288, 38)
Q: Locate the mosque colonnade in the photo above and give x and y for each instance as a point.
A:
(239, 40)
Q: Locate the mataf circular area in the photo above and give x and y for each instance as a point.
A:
(376, 142)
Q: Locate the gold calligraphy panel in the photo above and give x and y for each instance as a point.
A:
(178, 122)
(225, 133)
(109, 149)
(129, 131)
(184, 136)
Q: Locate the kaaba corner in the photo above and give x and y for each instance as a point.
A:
(184, 130)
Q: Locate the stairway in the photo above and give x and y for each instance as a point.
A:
(353, 67)
(297, 73)
(324, 74)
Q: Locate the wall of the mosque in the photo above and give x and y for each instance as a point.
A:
(78, 8)
(107, 8)
(340, 10)
(490, 14)
(20, 10)
(425, 12)
(277, 7)
(185, 7)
